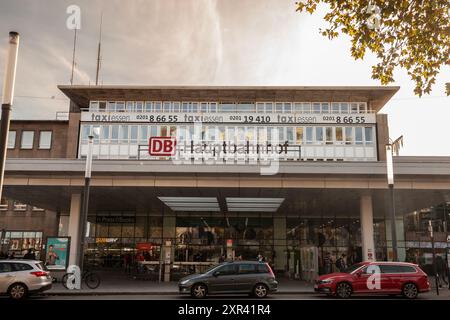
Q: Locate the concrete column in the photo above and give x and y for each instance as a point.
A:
(366, 212)
(168, 249)
(279, 233)
(74, 227)
(401, 250)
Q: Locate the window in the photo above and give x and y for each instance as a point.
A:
(114, 133)
(325, 107)
(5, 267)
(319, 134)
(203, 107)
(269, 107)
(358, 135)
(120, 106)
(227, 270)
(287, 107)
(102, 105)
(93, 106)
(298, 107)
(335, 107)
(344, 107)
(227, 107)
(306, 107)
(133, 134)
(339, 136)
(263, 268)
(157, 106)
(143, 134)
(167, 106)
(260, 107)
(396, 269)
(354, 107)
(348, 135)
(139, 106)
(368, 132)
(45, 140)
(111, 106)
(185, 107)
(21, 267)
(148, 106)
(247, 268)
(123, 133)
(86, 130)
(309, 135)
(329, 135)
(213, 107)
(104, 133)
(278, 107)
(11, 139)
(245, 107)
(27, 140)
(130, 106)
(316, 107)
(299, 135)
(362, 108)
(290, 134)
(176, 107)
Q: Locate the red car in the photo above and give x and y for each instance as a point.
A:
(390, 278)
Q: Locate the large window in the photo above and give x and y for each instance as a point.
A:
(27, 140)
(45, 140)
(11, 139)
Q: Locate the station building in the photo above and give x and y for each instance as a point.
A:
(296, 174)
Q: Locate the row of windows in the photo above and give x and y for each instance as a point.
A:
(204, 107)
(27, 139)
(16, 206)
(139, 134)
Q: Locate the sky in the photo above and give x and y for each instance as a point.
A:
(202, 42)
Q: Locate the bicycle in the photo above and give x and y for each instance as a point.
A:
(91, 279)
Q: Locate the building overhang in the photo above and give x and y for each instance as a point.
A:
(377, 96)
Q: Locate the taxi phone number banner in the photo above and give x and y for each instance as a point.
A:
(243, 118)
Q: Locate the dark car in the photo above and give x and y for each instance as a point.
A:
(386, 278)
(251, 277)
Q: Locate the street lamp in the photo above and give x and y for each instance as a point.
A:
(85, 206)
(7, 99)
(391, 147)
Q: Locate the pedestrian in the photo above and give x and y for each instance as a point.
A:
(260, 257)
(327, 263)
(341, 263)
(222, 258)
(30, 255)
(441, 270)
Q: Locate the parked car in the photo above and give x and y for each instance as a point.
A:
(390, 278)
(21, 278)
(251, 277)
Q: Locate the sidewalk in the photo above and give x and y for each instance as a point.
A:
(120, 284)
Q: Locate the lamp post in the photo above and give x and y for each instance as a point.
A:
(7, 100)
(85, 205)
(390, 177)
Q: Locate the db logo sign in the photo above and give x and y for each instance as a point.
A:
(162, 146)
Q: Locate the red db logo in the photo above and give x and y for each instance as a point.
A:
(162, 146)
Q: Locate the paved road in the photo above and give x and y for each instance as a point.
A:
(426, 296)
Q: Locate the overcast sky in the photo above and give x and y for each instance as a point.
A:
(201, 42)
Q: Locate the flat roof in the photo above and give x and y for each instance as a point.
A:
(378, 96)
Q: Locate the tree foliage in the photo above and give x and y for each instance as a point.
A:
(411, 34)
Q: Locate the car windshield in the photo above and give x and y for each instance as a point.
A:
(353, 268)
(212, 268)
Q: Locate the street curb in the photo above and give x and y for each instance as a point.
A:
(135, 293)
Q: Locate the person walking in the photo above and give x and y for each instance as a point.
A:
(30, 255)
(327, 263)
(341, 263)
(441, 270)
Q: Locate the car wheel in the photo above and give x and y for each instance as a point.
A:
(410, 291)
(198, 291)
(343, 290)
(260, 290)
(17, 291)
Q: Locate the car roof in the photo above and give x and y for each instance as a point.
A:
(246, 261)
(390, 263)
(20, 260)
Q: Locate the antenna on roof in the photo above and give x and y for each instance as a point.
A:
(73, 55)
(99, 50)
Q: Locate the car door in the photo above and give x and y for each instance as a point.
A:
(247, 274)
(222, 279)
(371, 280)
(7, 276)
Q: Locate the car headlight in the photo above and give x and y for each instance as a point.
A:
(184, 281)
(327, 281)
